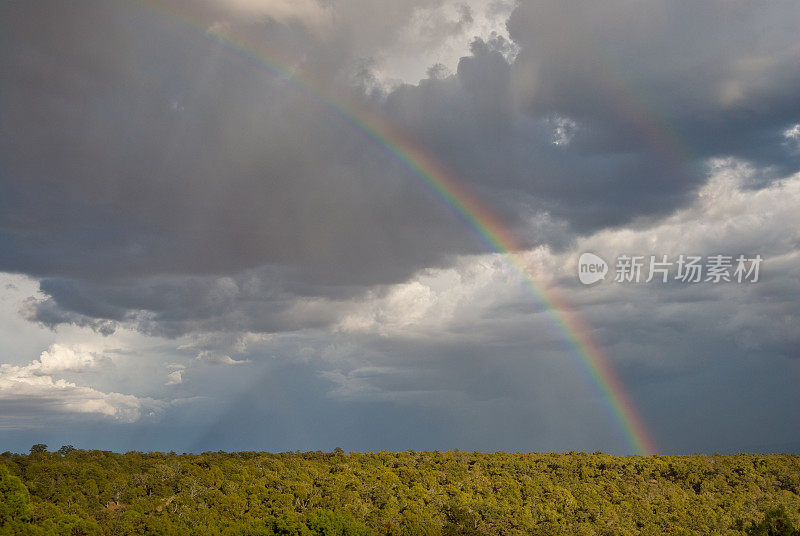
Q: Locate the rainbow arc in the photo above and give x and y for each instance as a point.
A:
(476, 214)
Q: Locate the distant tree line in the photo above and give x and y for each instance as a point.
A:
(75, 492)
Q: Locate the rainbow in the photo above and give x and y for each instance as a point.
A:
(477, 215)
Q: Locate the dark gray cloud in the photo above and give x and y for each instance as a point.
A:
(254, 301)
(153, 176)
(136, 147)
(717, 76)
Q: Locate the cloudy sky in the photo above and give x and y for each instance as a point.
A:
(201, 249)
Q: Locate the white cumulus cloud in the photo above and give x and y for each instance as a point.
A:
(36, 389)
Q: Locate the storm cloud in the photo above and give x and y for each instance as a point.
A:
(138, 149)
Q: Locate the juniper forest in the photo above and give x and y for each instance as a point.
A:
(79, 492)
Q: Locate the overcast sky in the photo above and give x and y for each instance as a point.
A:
(198, 252)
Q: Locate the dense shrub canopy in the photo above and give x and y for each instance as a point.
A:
(78, 492)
